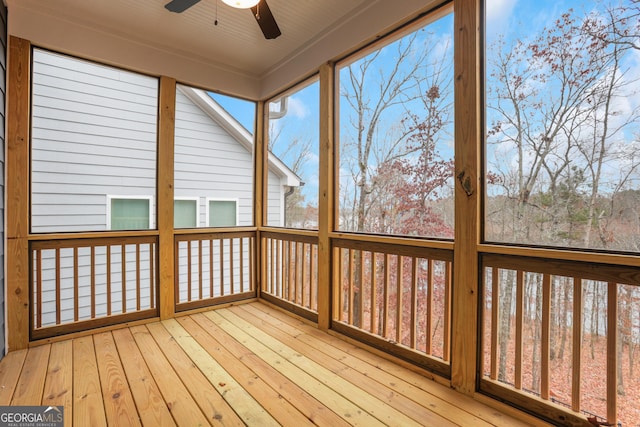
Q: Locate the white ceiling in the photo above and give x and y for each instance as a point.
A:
(141, 34)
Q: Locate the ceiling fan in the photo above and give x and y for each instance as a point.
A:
(260, 11)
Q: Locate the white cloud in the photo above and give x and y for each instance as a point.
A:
(499, 11)
(297, 108)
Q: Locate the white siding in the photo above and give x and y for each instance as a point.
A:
(93, 134)
(210, 163)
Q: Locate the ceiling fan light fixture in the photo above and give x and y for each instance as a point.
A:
(241, 4)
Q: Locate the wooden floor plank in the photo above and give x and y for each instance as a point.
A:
(34, 372)
(10, 370)
(88, 408)
(244, 404)
(247, 364)
(58, 387)
(387, 371)
(119, 406)
(204, 393)
(327, 395)
(183, 408)
(217, 340)
(263, 392)
(152, 409)
(340, 364)
(370, 400)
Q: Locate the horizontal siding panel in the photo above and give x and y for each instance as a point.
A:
(116, 131)
(60, 111)
(147, 107)
(91, 144)
(45, 106)
(82, 164)
(101, 76)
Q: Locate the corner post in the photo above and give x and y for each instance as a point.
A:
(468, 188)
(166, 246)
(17, 192)
(326, 203)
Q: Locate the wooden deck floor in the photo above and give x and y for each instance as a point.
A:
(242, 365)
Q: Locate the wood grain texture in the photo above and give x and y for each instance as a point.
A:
(166, 134)
(467, 195)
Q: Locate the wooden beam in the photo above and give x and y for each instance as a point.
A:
(467, 195)
(326, 204)
(17, 190)
(166, 136)
(260, 189)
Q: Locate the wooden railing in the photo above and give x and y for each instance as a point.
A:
(290, 270)
(213, 268)
(84, 283)
(396, 297)
(556, 334)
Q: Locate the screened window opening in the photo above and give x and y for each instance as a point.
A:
(213, 158)
(396, 134)
(223, 213)
(93, 132)
(293, 135)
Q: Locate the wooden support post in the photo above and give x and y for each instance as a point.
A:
(260, 182)
(166, 134)
(464, 344)
(17, 189)
(326, 204)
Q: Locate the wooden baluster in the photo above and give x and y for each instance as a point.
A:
(189, 296)
(429, 302)
(304, 283)
(351, 290)
(414, 301)
(399, 299)
(241, 250)
(108, 247)
(57, 286)
(211, 280)
(152, 275)
(612, 351)
(313, 278)
(76, 288)
(519, 325)
(200, 263)
(38, 289)
(546, 336)
(231, 270)
(495, 289)
(446, 333)
(373, 310)
(221, 267)
(385, 308)
(138, 282)
(124, 277)
(577, 344)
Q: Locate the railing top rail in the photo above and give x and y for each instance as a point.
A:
(97, 235)
(566, 268)
(380, 246)
(105, 240)
(397, 240)
(566, 254)
(215, 235)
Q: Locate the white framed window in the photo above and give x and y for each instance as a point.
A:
(129, 212)
(186, 212)
(222, 212)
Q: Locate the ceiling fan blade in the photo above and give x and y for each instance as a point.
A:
(180, 6)
(265, 19)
